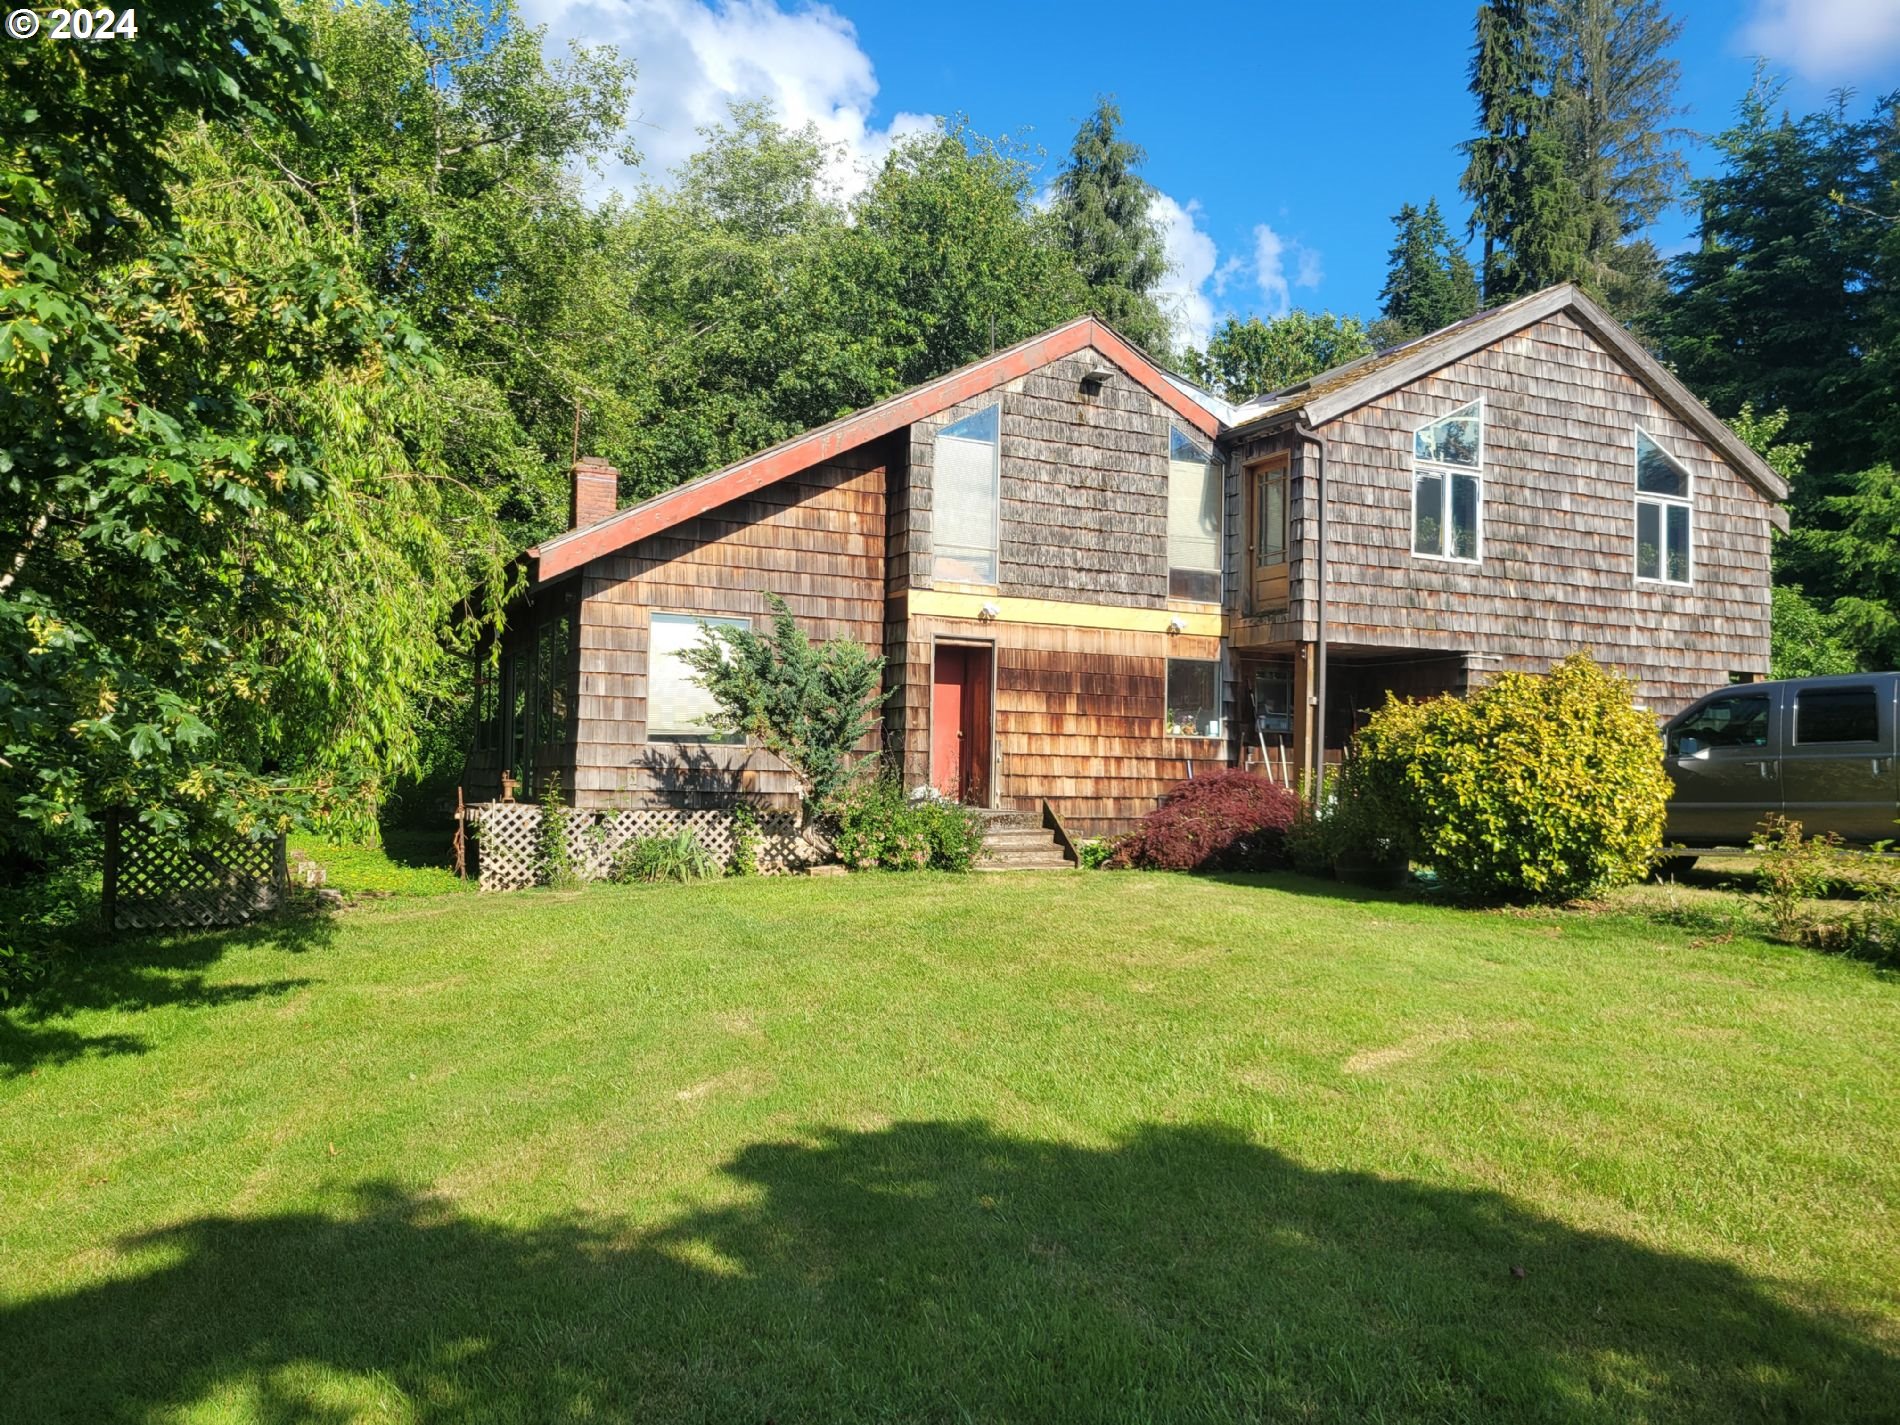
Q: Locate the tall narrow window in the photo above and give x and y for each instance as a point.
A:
(1448, 485)
(678, 709)
(964, 498)
(519, 695)
(554, 666)
(1662, 514)
(1194, 522)
(487, 702)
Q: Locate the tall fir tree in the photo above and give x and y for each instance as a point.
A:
(1506, 75)
(1613, 109)
(1787, 303)
(1104, 216)
(1550, 231)
(1774, 306)
(1429, 281)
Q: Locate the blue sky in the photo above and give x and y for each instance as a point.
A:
(1282, 136)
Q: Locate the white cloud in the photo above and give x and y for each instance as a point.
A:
(1192, 269)
(1825, 40)
(695, 58)
(1271, 254)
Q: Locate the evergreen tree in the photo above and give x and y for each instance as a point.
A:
(1506, 72)
(1104, 218)
(1429, 281)
(1612, 110)
(1550, 232)
(1773, 306)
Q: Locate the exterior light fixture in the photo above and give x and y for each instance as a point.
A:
(988, 612)
(1177, 624)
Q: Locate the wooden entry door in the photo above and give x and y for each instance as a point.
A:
(960, 724)
(1268, 530)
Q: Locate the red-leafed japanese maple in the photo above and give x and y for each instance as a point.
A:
(1231, 822)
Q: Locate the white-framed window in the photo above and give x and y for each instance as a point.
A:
(1448, 486)
(1664, 515)
(678, 709)
(964, 498)
(1194, 519)
(1193, 697)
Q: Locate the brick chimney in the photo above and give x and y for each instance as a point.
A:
(596, 492)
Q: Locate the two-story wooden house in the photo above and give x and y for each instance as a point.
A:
(1088, 578)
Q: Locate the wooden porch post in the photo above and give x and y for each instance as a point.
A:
(1305, 694)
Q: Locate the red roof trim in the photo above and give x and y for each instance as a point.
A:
(568, 551)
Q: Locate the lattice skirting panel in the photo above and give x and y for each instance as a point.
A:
(507, 835)
(156, 881)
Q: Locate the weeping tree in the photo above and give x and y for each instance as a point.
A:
(809, 704)
(225, 562)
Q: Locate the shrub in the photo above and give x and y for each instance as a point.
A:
(1096, 854)
(1234, 821)
(553, 856)
(876, 826)
(809, 704)
(22, 970)
(652, 859)
(1352, 826)
(1794, 870)
(745, 841)
(1538, 788)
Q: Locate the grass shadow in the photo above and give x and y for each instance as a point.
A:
(1348, 892)
(138, 973)
(943, 1271)
(420, 847)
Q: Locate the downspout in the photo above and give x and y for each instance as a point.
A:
(1302, 431)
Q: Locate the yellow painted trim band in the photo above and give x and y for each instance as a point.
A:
(941, 603)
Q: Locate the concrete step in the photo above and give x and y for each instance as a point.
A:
(1019, 836)
(1044, 855)
(1010, 820)
(1018, 841)
(1023, 863)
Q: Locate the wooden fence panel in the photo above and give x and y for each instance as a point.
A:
(161, 881)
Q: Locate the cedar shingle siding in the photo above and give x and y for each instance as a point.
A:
(1559, 566)
(1080, 644)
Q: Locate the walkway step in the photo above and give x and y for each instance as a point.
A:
(1018, 841)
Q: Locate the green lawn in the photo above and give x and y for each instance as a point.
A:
(1016, 1147)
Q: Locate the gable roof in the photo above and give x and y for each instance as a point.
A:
(564, 552)
(1333, 393)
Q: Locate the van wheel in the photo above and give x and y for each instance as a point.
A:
(1672, 868)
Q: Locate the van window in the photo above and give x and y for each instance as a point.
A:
(1740, 721)
(1836, 715)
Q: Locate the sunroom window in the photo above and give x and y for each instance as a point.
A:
(968, 467)
(1663, 514)
(1194, 519)
(1448, 485)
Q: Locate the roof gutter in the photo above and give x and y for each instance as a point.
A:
(1302, 431)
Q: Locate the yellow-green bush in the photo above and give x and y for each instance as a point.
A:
(1533, 787)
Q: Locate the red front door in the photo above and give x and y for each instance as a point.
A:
(960, 724)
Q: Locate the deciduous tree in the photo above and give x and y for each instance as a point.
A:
(1247, 358)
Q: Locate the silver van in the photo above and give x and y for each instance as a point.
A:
(1820, 751)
